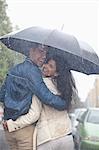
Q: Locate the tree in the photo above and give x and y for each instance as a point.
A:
(7, 57)
(5, 24)
(5, 27)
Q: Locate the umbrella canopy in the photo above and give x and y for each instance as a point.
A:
(79, 56)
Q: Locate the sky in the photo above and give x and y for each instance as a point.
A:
(76, 17)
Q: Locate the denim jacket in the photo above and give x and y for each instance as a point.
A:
(22, 81)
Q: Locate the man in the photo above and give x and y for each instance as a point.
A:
(23, 81)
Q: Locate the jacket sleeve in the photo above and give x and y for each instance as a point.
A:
(42, 92)
(31, 117)
(34, 112)
(2, 92)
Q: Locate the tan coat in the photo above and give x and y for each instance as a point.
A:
(51, 123)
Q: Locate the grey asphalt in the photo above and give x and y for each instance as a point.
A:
(3, 144)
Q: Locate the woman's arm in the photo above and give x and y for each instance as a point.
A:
(31, 117)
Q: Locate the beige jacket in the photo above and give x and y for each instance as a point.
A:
(51, 123)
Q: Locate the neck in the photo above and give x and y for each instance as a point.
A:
(30, 60)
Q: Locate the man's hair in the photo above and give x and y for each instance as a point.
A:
(42, 46)
(35, 45)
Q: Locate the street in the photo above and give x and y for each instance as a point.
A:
(3, 144)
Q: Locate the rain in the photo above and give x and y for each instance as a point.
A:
(70, 30)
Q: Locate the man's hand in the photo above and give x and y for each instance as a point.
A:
(5, 126)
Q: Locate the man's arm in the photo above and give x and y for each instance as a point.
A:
(34, 111)
(42, 92)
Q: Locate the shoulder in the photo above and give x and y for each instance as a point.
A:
(48, 82)
(51, 86)
(31, 67)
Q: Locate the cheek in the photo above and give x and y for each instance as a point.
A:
(51, 72)
(41, 55)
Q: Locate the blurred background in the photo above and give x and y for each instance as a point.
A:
(77, 17)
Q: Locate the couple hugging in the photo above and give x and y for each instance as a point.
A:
(37, 97)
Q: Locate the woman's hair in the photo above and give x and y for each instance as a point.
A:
(64, 80)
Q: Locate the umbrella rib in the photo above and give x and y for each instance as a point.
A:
(49, 36)
(9, 42)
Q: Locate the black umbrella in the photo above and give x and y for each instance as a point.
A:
(79, 56)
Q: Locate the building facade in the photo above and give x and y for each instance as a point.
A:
(92, 99)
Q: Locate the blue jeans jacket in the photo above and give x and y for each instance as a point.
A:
(21, 83)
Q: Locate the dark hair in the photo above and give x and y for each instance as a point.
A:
(65, 81)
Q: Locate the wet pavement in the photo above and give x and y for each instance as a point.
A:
(3, 144)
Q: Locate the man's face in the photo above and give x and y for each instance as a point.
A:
(38, 55)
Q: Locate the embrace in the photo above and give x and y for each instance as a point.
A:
(37, 97)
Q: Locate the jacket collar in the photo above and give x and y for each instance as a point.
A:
(29, 60)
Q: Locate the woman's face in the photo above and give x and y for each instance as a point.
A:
(49, 69)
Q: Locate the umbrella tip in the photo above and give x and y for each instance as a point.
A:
(62, 27)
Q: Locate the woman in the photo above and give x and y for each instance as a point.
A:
(53, 126)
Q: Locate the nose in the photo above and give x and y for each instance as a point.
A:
(44, 65)
(45, 68)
